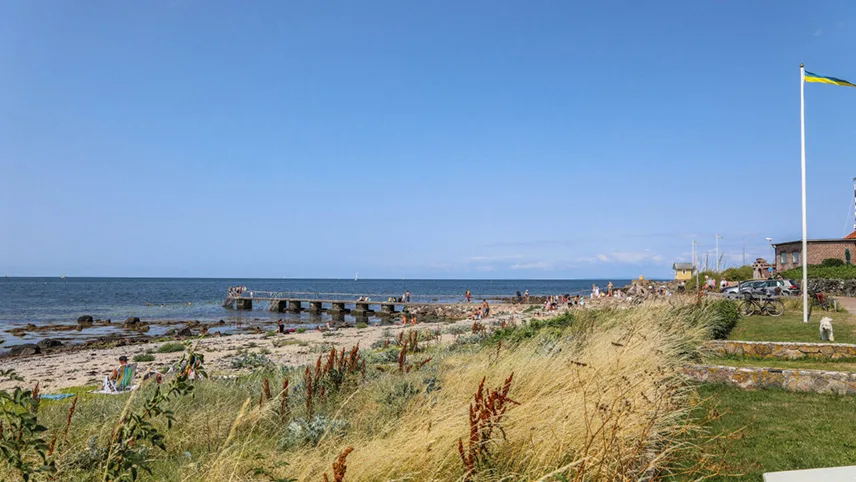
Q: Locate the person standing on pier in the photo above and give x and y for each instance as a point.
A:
(407, 296)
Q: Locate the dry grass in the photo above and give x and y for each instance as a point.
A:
(603, 399)
(601, 408)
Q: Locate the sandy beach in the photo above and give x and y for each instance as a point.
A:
(80, 367)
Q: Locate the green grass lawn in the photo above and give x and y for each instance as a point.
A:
(789, 327)
(783, 430)
(828, 365)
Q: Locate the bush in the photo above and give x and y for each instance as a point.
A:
(831, 262)
(309, 432)
(250, 360)
(847, 271)
(725, 318)
(144, 357)
(691, 283)
(170, 348)
(362, 325)
(738, 274)
(551, 326)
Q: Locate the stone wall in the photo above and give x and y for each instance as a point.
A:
(817, 381)
(838, 287)
(784, 350)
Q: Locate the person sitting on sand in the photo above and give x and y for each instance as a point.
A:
(280, 326)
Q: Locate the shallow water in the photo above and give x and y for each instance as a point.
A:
(59, 301)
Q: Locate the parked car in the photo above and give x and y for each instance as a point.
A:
(742, 288)
(770, 287)
(785, 287)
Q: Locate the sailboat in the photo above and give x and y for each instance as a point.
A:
(63, 276)
(357, 276)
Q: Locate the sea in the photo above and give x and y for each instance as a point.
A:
(38, 301)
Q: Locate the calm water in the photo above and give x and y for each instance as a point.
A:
(55, 300)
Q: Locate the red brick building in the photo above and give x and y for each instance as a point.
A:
(789, 255)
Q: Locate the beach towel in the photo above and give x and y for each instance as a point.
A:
(55, 396)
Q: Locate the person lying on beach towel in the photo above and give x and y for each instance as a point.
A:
(120, 379)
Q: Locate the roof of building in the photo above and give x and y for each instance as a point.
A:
(682, 266)
(850, 237)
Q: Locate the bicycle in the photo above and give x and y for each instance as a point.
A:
(819, 299)
(763, 305)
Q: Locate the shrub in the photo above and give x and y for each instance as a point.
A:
(362, 325)
(551, 326)
(691, 283)
(738, 274)
(144, 357)
(726, 315)
(170, 348)
(250, 360)
(828, 272)
(302, 329)
(309, 432)
(831, 262)
(289, 341)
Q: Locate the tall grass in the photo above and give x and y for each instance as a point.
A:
(599, 396)
(601, 407)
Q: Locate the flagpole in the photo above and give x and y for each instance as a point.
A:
(804, 223)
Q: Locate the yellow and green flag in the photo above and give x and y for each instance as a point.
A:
(809, 77)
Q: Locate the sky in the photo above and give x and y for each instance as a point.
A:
(443, 139)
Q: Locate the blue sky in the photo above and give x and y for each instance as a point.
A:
(441, 139)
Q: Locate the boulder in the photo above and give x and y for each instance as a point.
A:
(132, 321)
(25, 349)
(184, 332)
(85, 320)
(48, 343)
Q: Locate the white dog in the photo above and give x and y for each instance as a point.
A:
(826, 329)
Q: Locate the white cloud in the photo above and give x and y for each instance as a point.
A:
(507, 257)
(533, 265)
(630, 257)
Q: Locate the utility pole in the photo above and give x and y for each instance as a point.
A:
(718, 237)
(695, 261)
(773, 253)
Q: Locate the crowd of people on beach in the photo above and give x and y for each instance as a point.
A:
(553, 302)
(237, 291)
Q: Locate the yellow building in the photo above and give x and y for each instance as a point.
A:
(683, 271)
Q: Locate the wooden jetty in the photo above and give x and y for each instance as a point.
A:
(282, 304)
